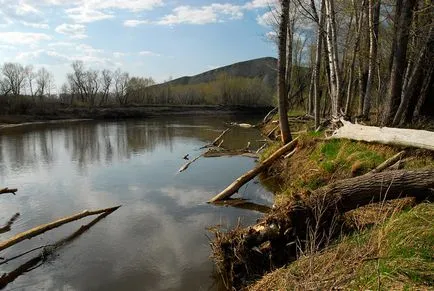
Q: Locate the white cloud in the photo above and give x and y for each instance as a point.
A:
(202, 15)
(149, 54)
(131, 5)
(134, 22)
(268, 18)
(35, 25)
(22, 38)
(119, 55)
(260, 4)
(23, 8)
(77, 31)
(86, 15)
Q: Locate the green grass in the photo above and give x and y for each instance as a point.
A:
(397, 254)
(334, 154)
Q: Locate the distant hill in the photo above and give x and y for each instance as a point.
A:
(264, 68)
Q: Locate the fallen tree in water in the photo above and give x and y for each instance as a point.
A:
(46, 252)
(243, 255)
(46, 227)
(8, 191)
(386, 135)
(238, 183)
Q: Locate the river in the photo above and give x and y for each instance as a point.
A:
(158, 239)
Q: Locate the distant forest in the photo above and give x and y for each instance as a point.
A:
(22, 89)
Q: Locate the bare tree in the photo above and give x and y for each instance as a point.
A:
(14, 76)
(106, 83)
(374, 19)
(399, 59)
(283, 100)
(30, 77)
(91, 86)
(43, 83)
(120, 86)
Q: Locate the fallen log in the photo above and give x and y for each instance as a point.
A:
(8, 225)
(385, 135)
(236, 185)
(215, 141)
(272, 131)
(389, 162)
(242, 125)
(236, 252)
(48, 250)
(186, 165)
(244, 204)
(8, 191)
(46, 227)
(269, 115)
(222, 153)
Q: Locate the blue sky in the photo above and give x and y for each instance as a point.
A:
(151, 38)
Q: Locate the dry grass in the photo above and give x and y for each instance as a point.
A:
(396, 254)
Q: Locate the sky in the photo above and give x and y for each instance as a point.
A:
(161, 39)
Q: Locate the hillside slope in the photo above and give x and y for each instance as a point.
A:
(264, 68)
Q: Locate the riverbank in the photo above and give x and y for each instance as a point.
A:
(304, 243)
(131, 112)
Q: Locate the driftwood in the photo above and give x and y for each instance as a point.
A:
(242, 125)
(243, 255)
(386, 135)
(215, 153)
(216, 141)
(244, 204)
(47, 250)
(186, 165)
(269, 115)
(46, 227)
(233, 188)
(386, 164)
(7, 226)
(8, 191)
(272, 131)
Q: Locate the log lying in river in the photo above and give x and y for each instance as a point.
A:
(47, 250)
(46, 227)
(8, 191)
(236, 185)
(386, 135)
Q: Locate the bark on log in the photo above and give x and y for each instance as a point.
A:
(355, 192)
(8, 191)
(386, 135)
(46, 227)
(388, 163)
(233, 188)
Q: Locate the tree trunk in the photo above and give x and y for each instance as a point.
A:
(317, 67)
(399, 61)
(359, 24)
(333, 58)
(413, 80)
(374, 19)
(46, 227)
(386, 135)
(233, 188)
(427, 82)
(283, 100)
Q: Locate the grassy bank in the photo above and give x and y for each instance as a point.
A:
(395, 254)
(323, 255)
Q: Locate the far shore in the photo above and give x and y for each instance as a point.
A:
(77, 114)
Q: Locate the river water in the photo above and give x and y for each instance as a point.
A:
(158, 239)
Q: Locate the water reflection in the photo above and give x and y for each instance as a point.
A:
(157, 239)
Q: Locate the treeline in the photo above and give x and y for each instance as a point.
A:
(22, 88)
(370, 59)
